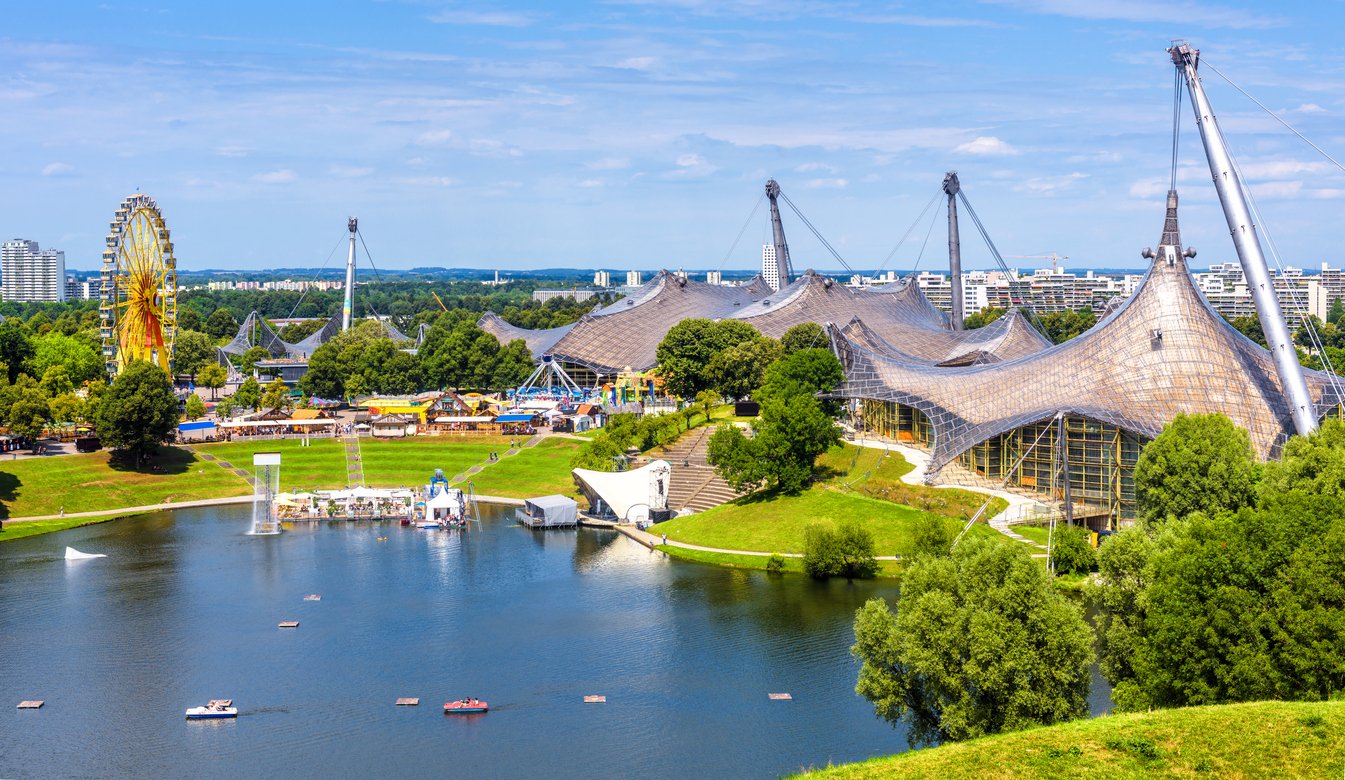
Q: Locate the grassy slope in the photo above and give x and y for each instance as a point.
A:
(859, 477)
(322, 464)
(534, 471)
(412, 461)
(1260, 739)
(87, 483)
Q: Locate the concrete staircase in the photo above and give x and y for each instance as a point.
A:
(694, 484)
(354, 463)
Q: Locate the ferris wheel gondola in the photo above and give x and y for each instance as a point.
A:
(138, 303)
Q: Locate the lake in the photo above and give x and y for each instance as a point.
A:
(186, 605)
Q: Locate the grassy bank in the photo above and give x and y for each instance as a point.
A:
(89, 483)
(792, 565)
(857, 483)
(412, 461)
(534, 471)
(322, 464)
(1260, 739)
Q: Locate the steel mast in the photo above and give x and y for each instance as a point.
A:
(952, 186)
(783, 269)
(348, 305)
(1248, 246)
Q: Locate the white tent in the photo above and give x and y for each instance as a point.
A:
(629, 495)
(446, 504)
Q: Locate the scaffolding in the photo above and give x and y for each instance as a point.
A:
(265, 487)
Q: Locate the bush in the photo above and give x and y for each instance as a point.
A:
(775, 564)
(1071, 551)
(931, 537)
(844, 552)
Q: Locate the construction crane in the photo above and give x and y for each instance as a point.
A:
(1053, 257)
(436, 300)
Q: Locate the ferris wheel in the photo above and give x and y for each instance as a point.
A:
(138, 305)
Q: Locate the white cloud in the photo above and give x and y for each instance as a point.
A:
(489, 147)
(416, 161)
(693, 165)
(637, 63)
(608, 164)
(57, 169)
(826, 184)
(1147, 11)
(349, 171)
(986, 146)
(1278, 169)
(483, 18)
(1148, 188)
(1049, 185)
(281, 176)
(232, 150)
(431, 181)
(814, 167)
(591, 183)
(1276, 189)
(1308, 108)
(434, 137)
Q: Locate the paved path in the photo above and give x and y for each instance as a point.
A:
(1019, 506)
(651, 541)
(135, 510)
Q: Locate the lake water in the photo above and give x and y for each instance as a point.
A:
(185, 607)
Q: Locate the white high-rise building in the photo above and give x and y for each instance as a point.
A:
(714, 277)
(28, 273)
(602, 278)
(634, 279)
(770, 270)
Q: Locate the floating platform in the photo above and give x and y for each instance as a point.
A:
(289, 624)
(408, 701)
(595, 699)
(779, 697)
(312, 597)
(31, 704)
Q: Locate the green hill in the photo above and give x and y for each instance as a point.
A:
(1260, 739)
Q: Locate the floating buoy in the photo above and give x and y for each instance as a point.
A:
(31, 704)
(408, 701)
(779, 697)
(595, 699)
(289, 624)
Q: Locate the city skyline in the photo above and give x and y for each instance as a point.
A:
(639, 134)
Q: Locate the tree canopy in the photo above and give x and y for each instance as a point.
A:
(1199, 462)
(685, 352)
(138, 411)
(980, 642)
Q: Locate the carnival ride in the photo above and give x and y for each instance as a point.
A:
(138, 300)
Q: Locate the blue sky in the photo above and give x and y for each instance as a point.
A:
(640, 133)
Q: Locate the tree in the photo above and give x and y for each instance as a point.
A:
(213, 376)
(68, 408)
(707, 400)
(1199, 462)
(686, 350)
(274, 395)
(737, 371)
(56, 381)
(1070, 551)
(195, 408)
(15, 347)
(846, 551)
(189, 319)
(980, 643)
(248, 362)
(787, 438)
(1337, 310)
(78, 355)
(191, 351)
(805, 335)
(983, 317)
(736, 459)
(225, 408)
(931, 537)
(221, 324)
(138, 412)
(249, 394)
(1061, 326)
(1250, 327)
(808, 371)
(29, 413)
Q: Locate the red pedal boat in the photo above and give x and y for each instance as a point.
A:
(465, 706)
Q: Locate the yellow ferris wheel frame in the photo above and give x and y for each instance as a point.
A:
(138, 303)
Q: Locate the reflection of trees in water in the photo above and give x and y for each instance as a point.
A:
(776, 604)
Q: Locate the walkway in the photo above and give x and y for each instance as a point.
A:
(652, 542)
(354, 464)
(513, 450)
(139, 509)
(1019, 506)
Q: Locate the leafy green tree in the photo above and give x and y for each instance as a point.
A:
(1200, 462)
(1123, 563)
(513, 364)
(226, 408)
(138, 412)
(600, 454)
(707, 400)
(787, 438)
(248, 362)
(15, 348)
(195, 408)
(1070, 551)
(248, 395)
(213, 376)
(298, 331)
(29, 413)
(1336, 311)
(805, 335)
(983, 317)
(980, 643)
(68, 408)
(1061, 326)
(356, 387)
(189, 319)
(807, 371)
(78, 355)
(846, 551)
(221, 324)
(736, 459)
(931, 537)
(1249, 327)
(686, 350)
(191, 351)
(56, 381)
(739, 370)
(274, 395)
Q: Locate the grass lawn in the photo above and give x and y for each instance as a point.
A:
(1037, 533)
(87, 483)
(322, 464)
(534, 471)
(855, 483)
(412, 461)
(1257, 739)
(13, 531)
(792, 565)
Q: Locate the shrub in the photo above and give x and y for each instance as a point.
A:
(845, 552)
(1071, 551)
(775, 564)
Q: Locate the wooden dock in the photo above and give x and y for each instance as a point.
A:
(288, 624)
(408, 701)
(31, 704)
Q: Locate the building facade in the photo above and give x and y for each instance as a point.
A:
(28, 273)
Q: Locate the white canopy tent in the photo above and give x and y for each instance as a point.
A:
(446, 504)
(628, 495)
